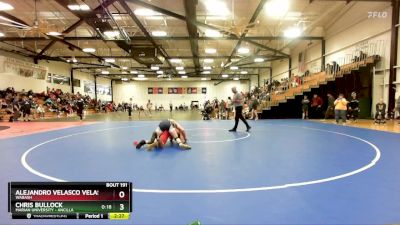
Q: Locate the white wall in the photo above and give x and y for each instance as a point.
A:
(138, 91)
(280, 69)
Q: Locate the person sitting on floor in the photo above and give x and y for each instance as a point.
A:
(380, 112)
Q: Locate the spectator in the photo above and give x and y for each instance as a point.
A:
(398, 107)
(340, 108)
(330, 110)
(40, 111)
(305, 103)
(380, 112)
(353, 108)
(254, 106)
(316, 107)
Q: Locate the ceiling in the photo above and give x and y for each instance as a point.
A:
(241, 23)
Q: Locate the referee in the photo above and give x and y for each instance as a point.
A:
(238, 103)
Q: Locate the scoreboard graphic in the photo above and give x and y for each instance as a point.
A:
(70, 200)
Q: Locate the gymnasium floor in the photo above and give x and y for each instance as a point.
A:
(282, 172)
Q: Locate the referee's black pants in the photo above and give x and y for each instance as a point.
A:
(239, 115)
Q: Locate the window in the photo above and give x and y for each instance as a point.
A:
(59, 79)
(77, 83)
(48, 79)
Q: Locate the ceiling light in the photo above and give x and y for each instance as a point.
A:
(216, 8)
(124, 67)
(74, 7)
(141, 76)
(277, 8)
(243, 72)
(68, 60)
(243, 50)
(111, 33)
(208, 60)
(236, 78)
(74, 60)
(210, 50)
(258, 60)
(184, 77)
(207, 67)
(105, 72)
(159, 33)
(124, 72)
(292, 32)
(180, 68)
(84, 7)
(145, 12)
(234, 68)
(160, 72)
(182, 72)
(5, 6)
(206, 72)
(154, 68)
(2, 34)
(89, 50)
(175, 60)
(204, 78)
(225, 75)
(212, 33)
(133, 72)
(109, 60)
(53, 33)
(124, 79)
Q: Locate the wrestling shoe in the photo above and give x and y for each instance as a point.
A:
(140, 144)
(248, 128)
(232, 130)
(184, 146)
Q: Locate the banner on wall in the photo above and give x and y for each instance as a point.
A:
(22, 68)
(88, 88)
(155, 90)
(175, 90)
(191, 90)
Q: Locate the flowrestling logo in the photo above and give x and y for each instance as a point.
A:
(377, 15)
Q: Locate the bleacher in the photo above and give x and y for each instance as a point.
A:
(48, 114)
(315, 80)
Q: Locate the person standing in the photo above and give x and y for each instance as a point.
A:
(148, 106)
(330, 111)
(353, 107)
(26, 108)
(305, 102)
(316, 106)
(340, 108)
(79, 107)
(230, 108)
(237, 101)
(170, 107)
(254, 106)
(130, 106)
(398, 106)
